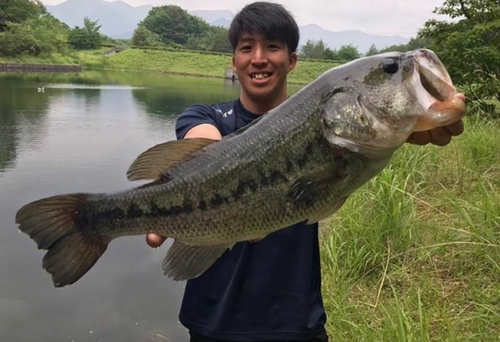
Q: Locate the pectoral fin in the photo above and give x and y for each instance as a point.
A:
(154, 163)
(327, 212)
(185, 262)
(310, 186)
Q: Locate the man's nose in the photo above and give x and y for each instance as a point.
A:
(260, 56)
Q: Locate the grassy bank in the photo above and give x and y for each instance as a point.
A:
(181, 62)
(415, 254)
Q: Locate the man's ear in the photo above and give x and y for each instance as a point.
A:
(292, 61)
(234, 66)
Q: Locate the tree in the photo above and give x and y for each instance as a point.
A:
(413, 44)
(18, 11)
(87, 37)
(18, 39)
(215, 39)
(313, 49)
(27, 28)
(51, 34)
(372, 51)
(470, 45)
(220, 40)
(174, 25)
(143, 37)
(330, 54)
(348, 52)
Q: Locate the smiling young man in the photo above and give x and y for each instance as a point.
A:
(269, 290)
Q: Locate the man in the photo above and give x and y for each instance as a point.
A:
(268, 290)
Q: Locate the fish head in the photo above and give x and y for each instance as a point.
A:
(381, 100)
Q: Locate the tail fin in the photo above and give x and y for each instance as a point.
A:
(56, 225)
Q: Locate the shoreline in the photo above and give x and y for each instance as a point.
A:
(75, 68)
(166, 62)
(26, 67)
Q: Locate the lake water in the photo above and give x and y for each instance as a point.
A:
(79, 134)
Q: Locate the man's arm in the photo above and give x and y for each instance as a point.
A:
(207, 131)
(201, 131)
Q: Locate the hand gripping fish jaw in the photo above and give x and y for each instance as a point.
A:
(393, 95)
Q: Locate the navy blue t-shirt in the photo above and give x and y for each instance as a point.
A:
(269, 290)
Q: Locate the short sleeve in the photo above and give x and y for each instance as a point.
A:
(194, 116)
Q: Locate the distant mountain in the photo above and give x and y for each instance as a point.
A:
(359, 39)
(221, 22)
(211, 16)
(119, 20)
(332, 39)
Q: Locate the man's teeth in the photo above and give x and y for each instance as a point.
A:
(260, 76)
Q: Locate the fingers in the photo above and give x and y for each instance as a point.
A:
(420, 138)
(440, 136)
(437, 136)
(154, 240)
(456, 128)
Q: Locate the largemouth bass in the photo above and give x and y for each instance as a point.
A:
(298, 162)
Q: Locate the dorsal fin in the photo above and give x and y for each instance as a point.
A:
(154, 163)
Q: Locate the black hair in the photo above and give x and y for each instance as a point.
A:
(269, 19)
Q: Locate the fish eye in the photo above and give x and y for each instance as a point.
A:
(390, 66)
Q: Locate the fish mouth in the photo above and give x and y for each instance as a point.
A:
(436, 92)
(438, 88)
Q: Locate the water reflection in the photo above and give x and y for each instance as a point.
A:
(22, 114)
(81, 134)
(82, 137)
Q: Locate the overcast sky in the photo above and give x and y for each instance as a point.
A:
(386, 17)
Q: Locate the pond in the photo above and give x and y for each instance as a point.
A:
(63, 133)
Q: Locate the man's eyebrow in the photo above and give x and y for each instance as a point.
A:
(247, 39)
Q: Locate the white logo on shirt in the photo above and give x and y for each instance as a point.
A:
(226, 114)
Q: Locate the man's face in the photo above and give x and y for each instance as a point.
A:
(262, 66)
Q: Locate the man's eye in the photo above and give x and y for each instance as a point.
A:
(245, 48)
(273, 47)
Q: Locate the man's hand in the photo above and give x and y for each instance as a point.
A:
(440, 136)
(154, 240)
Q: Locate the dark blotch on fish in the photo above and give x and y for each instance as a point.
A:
(202, 205)
(134, 211)
(218, 200)
(243, 185)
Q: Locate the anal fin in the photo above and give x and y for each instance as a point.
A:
(185, 262)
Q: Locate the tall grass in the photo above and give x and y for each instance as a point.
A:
(414, 255)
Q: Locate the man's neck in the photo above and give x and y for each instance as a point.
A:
(262, 107)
